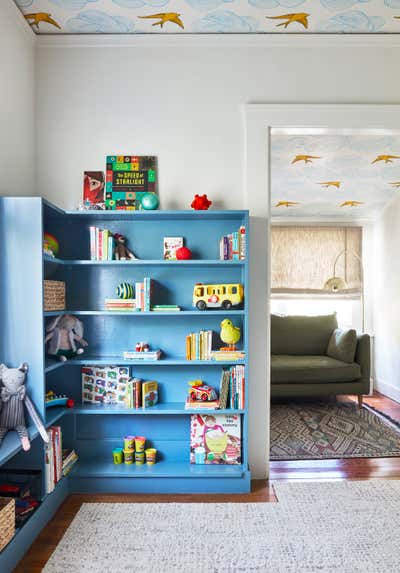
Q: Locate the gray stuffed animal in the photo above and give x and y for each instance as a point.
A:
(13, 396)
(65, 334)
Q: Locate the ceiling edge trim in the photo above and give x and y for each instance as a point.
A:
(219, 40)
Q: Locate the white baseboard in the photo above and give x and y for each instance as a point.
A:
(387, 389)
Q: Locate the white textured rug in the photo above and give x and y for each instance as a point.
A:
(341, 527)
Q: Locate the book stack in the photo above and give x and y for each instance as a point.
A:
(166, 308)
(199, 405)
(227, 355)
(121, 304)
(148, 355)
(101, 244)
(232, 247)
(141, 394)
(198, 345)
(143, 293)
(53, 459)
(69, 459)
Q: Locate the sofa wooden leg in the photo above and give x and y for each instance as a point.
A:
(360, 401)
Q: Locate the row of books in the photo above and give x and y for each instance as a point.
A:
(53, 459)
(232, 247)
(141, 301)
(199, 345)
(69, 459)
(236, 387)
(140, 394)
(102, 244)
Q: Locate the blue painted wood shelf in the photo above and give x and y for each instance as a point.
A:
(92, 430)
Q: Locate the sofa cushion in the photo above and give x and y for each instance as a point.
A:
(301, 335)
(311, 369)
(342, 345)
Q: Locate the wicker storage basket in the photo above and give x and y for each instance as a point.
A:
(54, 295)
(7, 520)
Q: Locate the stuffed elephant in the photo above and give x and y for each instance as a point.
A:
(13, 396)
(64, 332)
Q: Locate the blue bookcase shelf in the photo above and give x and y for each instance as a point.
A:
(95, 430)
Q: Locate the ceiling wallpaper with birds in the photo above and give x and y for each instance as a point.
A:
(329, 174)
(211, 16)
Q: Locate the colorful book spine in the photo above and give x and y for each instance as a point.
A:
(92, 234)
(110, 247)
(242, 243)
(235, 246)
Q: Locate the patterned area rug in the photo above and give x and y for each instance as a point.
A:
(323, 430)
(331, 527)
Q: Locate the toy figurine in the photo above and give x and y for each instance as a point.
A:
(217, 295)
(13, 396)
(183, 254)
(201, 392)
(121, 251)
(230, 334)
(63, 334)
(201, 203)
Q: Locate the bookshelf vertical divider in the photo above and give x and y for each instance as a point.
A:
(94, 432)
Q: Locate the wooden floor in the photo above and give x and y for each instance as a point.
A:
(361, 468)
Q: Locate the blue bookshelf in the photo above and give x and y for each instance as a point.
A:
(95, 430)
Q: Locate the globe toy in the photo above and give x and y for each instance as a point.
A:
(183, 254)
(150, 201)
(52, 243)
(124, 290)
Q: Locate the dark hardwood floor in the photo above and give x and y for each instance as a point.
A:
(262, 491)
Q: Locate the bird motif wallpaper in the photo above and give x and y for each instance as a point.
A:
(211, 16)
(326, 174)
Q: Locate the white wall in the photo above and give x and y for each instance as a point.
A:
(387, 301)
(183, 104)
(17, 68)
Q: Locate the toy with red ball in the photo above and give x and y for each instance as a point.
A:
(183, 254)
(201, 203)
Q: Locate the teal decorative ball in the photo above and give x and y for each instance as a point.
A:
(150, 201)
(124, 290)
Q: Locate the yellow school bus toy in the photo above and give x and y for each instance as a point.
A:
(217, 296)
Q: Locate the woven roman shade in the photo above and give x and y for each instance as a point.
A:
(303, 258)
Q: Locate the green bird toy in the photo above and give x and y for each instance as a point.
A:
(230, 334)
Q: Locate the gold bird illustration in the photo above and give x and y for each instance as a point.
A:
(385, 158)
(395, 184)
(352, 203)
(40, 17)
(330, 184)
(166, 17)
(300, 17)
(305, 158)
(286, 203)
(230, 334)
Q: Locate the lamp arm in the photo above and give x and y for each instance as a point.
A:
(361, 277)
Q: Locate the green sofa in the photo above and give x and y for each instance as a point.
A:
(300, 365)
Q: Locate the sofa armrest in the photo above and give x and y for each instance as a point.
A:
(363, 358)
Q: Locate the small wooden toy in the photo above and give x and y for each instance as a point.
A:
(201, 203)
(121, 251)
(124, 291)
(183, 254)
(51, 243)
(53, 399)
(217, 296)
(200, 391)
(230, 334)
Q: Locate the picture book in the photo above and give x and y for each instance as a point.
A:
(128, 178)
(149, 394)
(93, 189)
(215, 439)
(104, 384)
(171, 245)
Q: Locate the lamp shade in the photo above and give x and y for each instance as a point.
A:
(335, 284)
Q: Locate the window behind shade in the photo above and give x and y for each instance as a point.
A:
(303, 257)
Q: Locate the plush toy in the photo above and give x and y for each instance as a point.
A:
(63, 334)
(121, 251)
(183, 254)
(13, 396)
(201, 203)
(230, 334)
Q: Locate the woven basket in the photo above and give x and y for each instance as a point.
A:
(7, 520)
(54, 295)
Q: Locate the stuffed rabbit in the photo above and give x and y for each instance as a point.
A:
(63, 334)
(13, 396)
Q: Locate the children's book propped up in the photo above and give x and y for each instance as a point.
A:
(215, 439)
